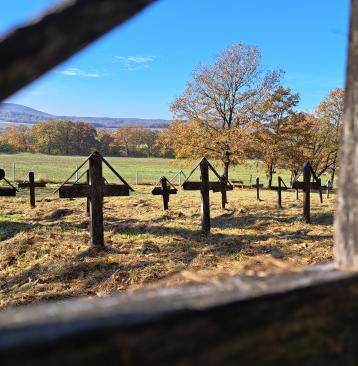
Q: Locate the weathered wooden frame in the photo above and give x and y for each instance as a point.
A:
(309, 318)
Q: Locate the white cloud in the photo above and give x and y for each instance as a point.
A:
(72, 71)
(132, 63)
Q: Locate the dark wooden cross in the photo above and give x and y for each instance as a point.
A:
(257, 185)
(6, 191)
(204, 186)
(306, 186)
(281, 186)
(164, 188)
(31, 184)
(95, 191)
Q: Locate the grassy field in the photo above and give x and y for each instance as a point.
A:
(44, 252)
(59, 168)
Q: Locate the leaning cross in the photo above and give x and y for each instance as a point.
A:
(204, 186)
(95, 190)
(6, 191)
(306, 186)
(165, 190)
(31, 184)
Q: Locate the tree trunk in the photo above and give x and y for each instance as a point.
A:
(226, 169)
(333, 171)
(226, 162)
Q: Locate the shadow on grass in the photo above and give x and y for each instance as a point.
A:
(9, 229)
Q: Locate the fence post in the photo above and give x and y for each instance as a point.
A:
(13, 172)
(136, 177)
(180, 178)
(258, 188)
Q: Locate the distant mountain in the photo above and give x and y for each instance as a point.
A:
(16, 113)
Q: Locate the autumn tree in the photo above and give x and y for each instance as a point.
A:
(218, 104)
(127, 139)
(19, 137)
(64, 137)
(274, 112)
(330, 112)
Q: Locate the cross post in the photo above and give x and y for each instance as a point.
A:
(165, 191)
(31, 185)
(94, 191)
(205, 199)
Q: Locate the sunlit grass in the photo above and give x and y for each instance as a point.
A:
(44, 252)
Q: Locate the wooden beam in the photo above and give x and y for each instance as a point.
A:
(74, 191)
(157, 191)
(96, 200)
(111, 190)
(307, 194)
(32, 189)
(346, 240)
(301, 185)
(36, 185)
(7, 192)
(35, 48)
(214, 186)
(300, 319)
(205, 196)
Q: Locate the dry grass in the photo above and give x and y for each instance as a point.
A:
(44, 252)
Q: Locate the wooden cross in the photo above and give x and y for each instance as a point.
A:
(31, 184)
(94, 191)
(165, 190)
(204, 186)
(257, 185)
(6, 191)
(281, 186)
(306, 186)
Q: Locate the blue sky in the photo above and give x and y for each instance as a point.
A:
(139, 68)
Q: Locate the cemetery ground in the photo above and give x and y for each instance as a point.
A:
(44, 252)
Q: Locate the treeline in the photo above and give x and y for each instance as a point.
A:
(80, 138)
(235, 109)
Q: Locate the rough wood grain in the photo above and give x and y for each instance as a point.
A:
(96, 200)
(301, 319)
(346, 241)
(35, 48)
